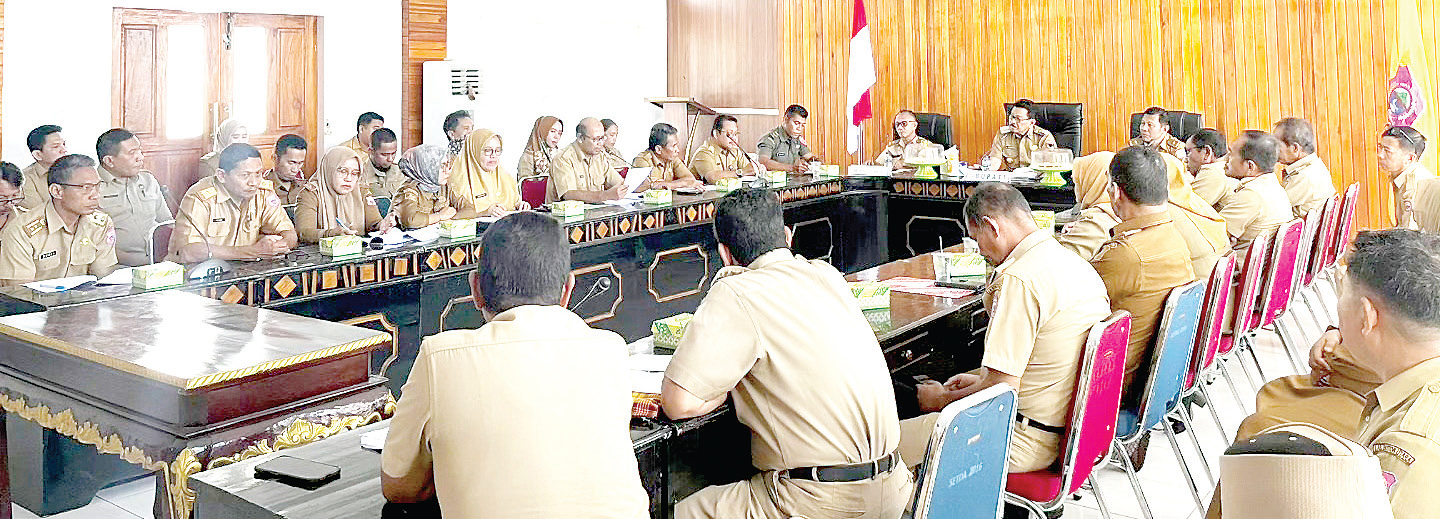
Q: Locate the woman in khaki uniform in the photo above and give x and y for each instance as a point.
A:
(543, 146)
(1087, 233)
(478, 186)
(425, 198)
(1200, 224)
(336, 206)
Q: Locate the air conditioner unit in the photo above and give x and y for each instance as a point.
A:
(448, 86)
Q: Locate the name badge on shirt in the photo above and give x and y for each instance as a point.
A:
(48, 254)
(217, 220)
(111, 196)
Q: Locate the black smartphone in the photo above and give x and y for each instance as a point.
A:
(967, 285)
(297, 472)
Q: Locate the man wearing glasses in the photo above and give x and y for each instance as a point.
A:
(906, 136)
(1017, 142)
(69, 236)
(129, 194)
(1399, 155)
(233, 215)
(721, 156)
(583, 172)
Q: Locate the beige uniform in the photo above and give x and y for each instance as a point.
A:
(1211, 183)
(1144, 260)
(1014, 150)
(354, 144)
(1307, 182)
(712, 162)
(1089, 231)
(780, 147)
(574, 170)
(36, 186)
(286, 190)
(224, 220)
(136, 204)
(416, 206)
(528, 168)
(39, 246)
(786, 339)
(1170, 145)
(661, 171)
(1256, 208)
(895, 151)
(1401, 426)
(617, 160)
(1405, 187)
(478, 416)
(382, 183)
(310, 229)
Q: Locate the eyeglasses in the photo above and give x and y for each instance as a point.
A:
(492, 152)
(347, 173)
(899, 124)
(84, 188)
(733, 135)
(1016, 118)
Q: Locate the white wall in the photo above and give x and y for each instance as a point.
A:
(58, 53)
(567, 58)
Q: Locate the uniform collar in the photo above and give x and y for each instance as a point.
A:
(1247, 180)
(1030, 241)
(584, 157)
(54, 221)
(1141, 222)
(1413, 169)
(105, 175)
(771, 258)
(548, 313)
(1399, 388)
(783, 135)
(222, 193)
(1214, 166)
(1300, 165)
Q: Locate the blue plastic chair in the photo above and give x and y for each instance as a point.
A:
(1169, 362)
(963, 474)
(382, 203)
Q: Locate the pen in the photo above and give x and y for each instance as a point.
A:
(342, 224)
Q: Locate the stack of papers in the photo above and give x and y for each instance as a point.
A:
(869, 171)
(647, 372)
(51, 286)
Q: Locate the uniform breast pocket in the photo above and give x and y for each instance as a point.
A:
(1010, 151)
(47, 260)
(218, 227)
(83, 254)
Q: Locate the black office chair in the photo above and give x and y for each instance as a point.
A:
(1182, 124)
(934, 128)
(1063, 120)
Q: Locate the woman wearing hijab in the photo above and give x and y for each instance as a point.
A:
(425, 198)
(1202, 227)
(230, 132)
(544, 143)
(478, 186)
(335, 204)
(1091, 229)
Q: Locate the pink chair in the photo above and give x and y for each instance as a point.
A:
(1279, 286)
(1250, 276)
(1092, 423)
(533, 190)
(1329, 213)
(1207, 342)
(1347, 223)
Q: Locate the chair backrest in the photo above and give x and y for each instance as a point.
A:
(1313, 221)
(963, 474)
(1280, 275)
(935, 128)
(1097, 400)
(1064, 120)
(1182, 124)
(1323, 235)
(290, 211)
(532, 190)
(1170, 356)
(159, 245)
(1346, 223)
(1217, 295)
(1252, 276)
(382, 203)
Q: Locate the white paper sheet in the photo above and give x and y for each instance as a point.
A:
(869, 171)
(634, 178)
(121, 276)
(50, 286)
(646, 381)
(649, 362)
(374, 440)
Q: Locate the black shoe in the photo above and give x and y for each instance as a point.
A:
(1137, 452)
(1177, 426)
(1020, 512)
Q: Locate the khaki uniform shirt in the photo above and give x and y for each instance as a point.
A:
(1089, 231)
(574, 170)
(1014, 150)
(35, 187)
(1257, 206)
(136, 204)
(354, 144)
(1406, 186)
(1307, 182)
(39, 246)
(1401, 426)
(895, 151)
(1211, 183)
(1042, 302)
(1171, 145)
(662, 172)
(286, 190)
(382, 183)
(224, 220)
(617, 160)
(500, 441)
(787, 339)
(780, 147)
(712, 162)
(1144, 260)
(311, 229)
(416, 206)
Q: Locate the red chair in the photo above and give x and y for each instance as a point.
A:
(1092, 423)
(533, 190)
(1207, 342)
(1242, 311)
(159, 245)
(1329, 215)
(1347, 223)
(1279, 286)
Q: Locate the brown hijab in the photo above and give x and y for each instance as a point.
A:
(348, 207)
(1091, 174)
(537, 134)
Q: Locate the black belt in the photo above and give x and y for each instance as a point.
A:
(844, 473)
(1022, 420)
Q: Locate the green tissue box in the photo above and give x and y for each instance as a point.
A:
(871, 294)
(342, 245)
(667, 332)
(160, 275)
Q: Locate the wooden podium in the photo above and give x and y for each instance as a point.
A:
(683, 113)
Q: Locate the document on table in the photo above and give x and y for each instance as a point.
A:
(121, 276)
(50, 286)
(646, 381)
(629, 201)
(634, 178)
(374, 440)
(650, 362)
(869, 171)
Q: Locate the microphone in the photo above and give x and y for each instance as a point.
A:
(601, 286)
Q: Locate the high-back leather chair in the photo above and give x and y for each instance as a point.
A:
(935, 128)
(1182, 124)
(1063, 120)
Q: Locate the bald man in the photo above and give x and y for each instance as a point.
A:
(582, 171)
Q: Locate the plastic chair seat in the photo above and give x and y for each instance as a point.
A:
(1040, 485)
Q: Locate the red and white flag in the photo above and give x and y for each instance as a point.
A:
(862, 76)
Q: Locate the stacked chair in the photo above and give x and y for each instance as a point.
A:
(963, 474)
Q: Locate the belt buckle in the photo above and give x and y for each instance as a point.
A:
(875, 468)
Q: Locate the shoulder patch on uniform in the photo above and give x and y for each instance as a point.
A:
(267, 184)
(1393, 450)
(99, 218)
(35, 226)
(272, 200)
(207, 193)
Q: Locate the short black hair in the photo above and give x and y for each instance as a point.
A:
(367, 118)
(382, 136)
(607, 124)
(797, 110)
(64, 168)
(1140, 173)
(108, 144)
(660, 135)
(720, 120)
(1156, 111)
(1295, 131)
(524, 260)
(289, 142)
(750, 223)
(1209, 138)
(996, 200)
(1411, 140)
(36, 139)
(11, 174)
(452, 121)
(1027, 104)
(236, 153)
(1402, 267)
(1259, 147)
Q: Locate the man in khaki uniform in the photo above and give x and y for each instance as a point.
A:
(46, 145)
(365, 125)
(475, 429)
(906, 136)
(129, 194)
(380, 174)
(1017, 142)
(786, 338)
(1306, 179)
(1042, 300)
(721, 156)
(665, 160)
(232, 215)
(69, 236)
(1205, 160)
(582, 171)
(784, 148)
(288, 173)
(1258, 205)
(1146, 256)
(1155, 133)
(1399, 155)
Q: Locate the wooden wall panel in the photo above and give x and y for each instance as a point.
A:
(1244, 64)
(723, 53)
(423, 29)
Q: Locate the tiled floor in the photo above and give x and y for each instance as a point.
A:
(1161, 479)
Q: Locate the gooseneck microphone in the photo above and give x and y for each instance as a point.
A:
(599, 287)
